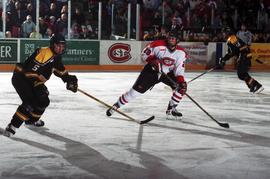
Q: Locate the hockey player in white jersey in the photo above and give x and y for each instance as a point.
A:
(161, 57)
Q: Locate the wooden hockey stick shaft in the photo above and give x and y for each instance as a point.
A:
(120, 112)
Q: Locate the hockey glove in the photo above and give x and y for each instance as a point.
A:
(182, 87)
(156, 65)
(222, 62)
(72, 83)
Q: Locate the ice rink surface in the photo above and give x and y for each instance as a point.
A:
(79, 141)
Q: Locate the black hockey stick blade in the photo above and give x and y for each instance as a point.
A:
(259, 61)
(147, 120)
(225, 125)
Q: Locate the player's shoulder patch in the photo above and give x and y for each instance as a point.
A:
(232, 39)
(44, 54)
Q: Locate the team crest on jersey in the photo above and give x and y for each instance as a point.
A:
(168, 61)
(119, 52)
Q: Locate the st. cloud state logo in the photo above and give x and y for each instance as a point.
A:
(119, 52)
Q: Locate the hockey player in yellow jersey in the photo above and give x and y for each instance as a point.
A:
(29, 81)
(239, 49)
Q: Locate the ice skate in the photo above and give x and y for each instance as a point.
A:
(173, 114)
(111, 110)
(9, 131)
(38, 123)
(256, 88)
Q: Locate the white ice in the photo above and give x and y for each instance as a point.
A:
(80, 141)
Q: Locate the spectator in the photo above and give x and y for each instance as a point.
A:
(166, 7)
(120, 21)
(85, 34)
(31, 11)
(28, 26)
(51, 23)
(163, 33)
(259, 38)
(49, 33)
(151, 4)
(8, 34)
(244, 34)
(195, 21)
(157, 20)
(8, 22)
(61, 25)
(92, 29)
(176, 23)
(78, 16)
(17, 16)
(44, 8)
(226, 20)
(75, 31)
(10, 6)
(64, 9)
(42, 26)
(149, 35)
(53, 11)
(35, 35)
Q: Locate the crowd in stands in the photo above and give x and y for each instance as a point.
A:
(53, 18)
(203, 20)
(197, 20)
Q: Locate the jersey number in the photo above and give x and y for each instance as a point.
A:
(147, 51)
(35, 68)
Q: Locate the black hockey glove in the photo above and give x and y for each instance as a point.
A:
(221, 62)
(182, 87)
(72, 83)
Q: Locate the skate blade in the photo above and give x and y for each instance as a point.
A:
(259, 90)
(7, 134)
(174, 118)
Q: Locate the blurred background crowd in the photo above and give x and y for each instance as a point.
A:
(197, 20)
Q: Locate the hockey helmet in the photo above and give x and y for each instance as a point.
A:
(57, 39)
(174, 34)
(171, 36)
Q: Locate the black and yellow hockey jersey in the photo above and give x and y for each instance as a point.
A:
(237, 48)
(39, 67)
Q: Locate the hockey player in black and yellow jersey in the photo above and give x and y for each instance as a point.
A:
(241, 51)
(29, 81)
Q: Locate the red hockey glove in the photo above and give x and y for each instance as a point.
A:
(182, 85)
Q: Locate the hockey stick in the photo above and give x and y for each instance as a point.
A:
(262, 62)
(202, 74)
(225, 125)
(109, 106)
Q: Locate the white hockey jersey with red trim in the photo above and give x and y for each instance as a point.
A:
(170, 60)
